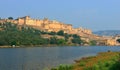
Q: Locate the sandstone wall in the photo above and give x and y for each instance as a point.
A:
(21, 21)
(48, 25)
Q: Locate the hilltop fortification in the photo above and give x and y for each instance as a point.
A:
(55, 26)
(47, 25)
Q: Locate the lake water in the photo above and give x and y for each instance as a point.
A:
(43, 58)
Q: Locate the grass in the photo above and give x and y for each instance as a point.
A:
(102, 61)
(63, 67)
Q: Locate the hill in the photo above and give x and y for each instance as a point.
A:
(13, 34)
(107, 32)
(47, 32)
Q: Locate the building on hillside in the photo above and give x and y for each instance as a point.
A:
(47, 25)
(55, 26)
(111, 42)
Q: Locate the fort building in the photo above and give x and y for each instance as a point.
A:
(47, 25)
(55, 26)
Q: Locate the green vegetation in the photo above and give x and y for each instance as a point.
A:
(76, 39)
(54, 40)
(93, 43)
(61, 32)
(102, 61)
(12, 34)
(63, 67)
(118, 40)
(11, 18)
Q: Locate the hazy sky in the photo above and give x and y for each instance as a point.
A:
(92, 14)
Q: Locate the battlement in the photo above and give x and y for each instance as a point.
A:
(47, 25)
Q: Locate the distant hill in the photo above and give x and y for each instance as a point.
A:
(107, 32)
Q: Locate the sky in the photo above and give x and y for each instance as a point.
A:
(91, 14)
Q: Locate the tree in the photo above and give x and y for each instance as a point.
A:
(61, 41)
(13, 43)
(75, 36)
(53, 40)
(66, 36)
(11, 18)
(93, 43)
(61, 32)
(52, 33)
(118, 40)
(77, 41)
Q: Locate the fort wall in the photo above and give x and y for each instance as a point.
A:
(48, 25)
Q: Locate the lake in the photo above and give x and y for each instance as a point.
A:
(43, 58)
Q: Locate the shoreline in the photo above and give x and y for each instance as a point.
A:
(23, 46)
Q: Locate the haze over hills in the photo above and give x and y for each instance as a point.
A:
(107, 32)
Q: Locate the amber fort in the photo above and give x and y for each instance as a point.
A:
(47, 25)
(55, 26)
